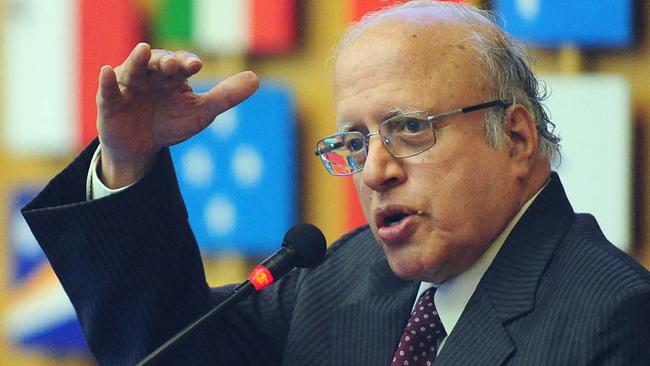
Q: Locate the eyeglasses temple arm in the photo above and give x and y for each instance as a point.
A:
(494, 103)
(327, 149)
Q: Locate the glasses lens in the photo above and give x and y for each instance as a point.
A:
(343, 153)
(408, 134)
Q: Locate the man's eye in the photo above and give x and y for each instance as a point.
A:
(413, 125)
(355, 144)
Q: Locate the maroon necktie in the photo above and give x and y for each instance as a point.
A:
(419, 341)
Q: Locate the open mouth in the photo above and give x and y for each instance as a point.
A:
(393, 220)
(392, 216)
(395, 224)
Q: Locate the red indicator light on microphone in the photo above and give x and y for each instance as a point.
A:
(260, 277)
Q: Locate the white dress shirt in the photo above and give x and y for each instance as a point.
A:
(94, 187)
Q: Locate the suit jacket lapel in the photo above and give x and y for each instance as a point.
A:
(366, 330)
(512, 279)
(507, 290)
(479, 338)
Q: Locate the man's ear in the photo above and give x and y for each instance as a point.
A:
(522, 141)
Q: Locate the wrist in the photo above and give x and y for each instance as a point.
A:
(117, 172)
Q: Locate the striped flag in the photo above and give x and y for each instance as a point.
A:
(172, 23)
(39, 314)
(230, 27)
(53, 51)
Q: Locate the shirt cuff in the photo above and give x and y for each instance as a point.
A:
(94, 187)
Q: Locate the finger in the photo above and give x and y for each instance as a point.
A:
(163, 62)
(108, 92)
(109, 89)
(133, 71)
(229, 93)
(172, 69)
(190, 63)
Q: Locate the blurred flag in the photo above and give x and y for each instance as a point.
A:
(39, 314)
(228, 26)
(172, 23)
(40, 108)
(359, 8)
(552, 23)
(593, 118)
(238, 176)
(108, 30)
(53, 51)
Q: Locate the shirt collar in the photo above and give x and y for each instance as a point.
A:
(452, 295)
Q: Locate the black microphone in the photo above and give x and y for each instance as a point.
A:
(303, 245)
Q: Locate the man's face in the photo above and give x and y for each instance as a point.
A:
(434, 213)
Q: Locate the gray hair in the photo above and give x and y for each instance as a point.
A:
(507, 63)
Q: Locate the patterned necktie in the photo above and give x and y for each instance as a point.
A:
(419, 341)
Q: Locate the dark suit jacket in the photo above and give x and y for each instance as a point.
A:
(558, 293)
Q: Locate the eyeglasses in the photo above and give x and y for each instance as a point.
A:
(403, 135)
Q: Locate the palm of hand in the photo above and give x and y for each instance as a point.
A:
(146, 104)
(145, 122)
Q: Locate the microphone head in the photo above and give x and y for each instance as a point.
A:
(308, 242)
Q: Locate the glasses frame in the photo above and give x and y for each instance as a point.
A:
(386, 142)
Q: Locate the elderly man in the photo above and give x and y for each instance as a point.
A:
(473, 255)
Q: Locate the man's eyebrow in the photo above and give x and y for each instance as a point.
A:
(346, 125)
(393, 111)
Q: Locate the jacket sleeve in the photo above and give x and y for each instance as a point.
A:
(131, 267)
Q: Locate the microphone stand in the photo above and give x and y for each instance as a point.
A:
(242, 290)
(292, 254)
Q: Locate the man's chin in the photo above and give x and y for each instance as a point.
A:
(415, 268)
(407, 269)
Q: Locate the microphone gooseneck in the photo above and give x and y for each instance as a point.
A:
(303, 246)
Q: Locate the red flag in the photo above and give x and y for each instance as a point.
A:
(359, 8)
(108, 30)
(273, 26)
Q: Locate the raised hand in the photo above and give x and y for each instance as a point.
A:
(146, 104)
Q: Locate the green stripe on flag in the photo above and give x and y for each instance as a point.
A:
(172, 23)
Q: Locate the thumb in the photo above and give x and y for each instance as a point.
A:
(229, 93)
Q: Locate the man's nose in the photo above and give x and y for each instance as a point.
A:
(381, 170)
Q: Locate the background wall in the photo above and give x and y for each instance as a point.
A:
(308, 70)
